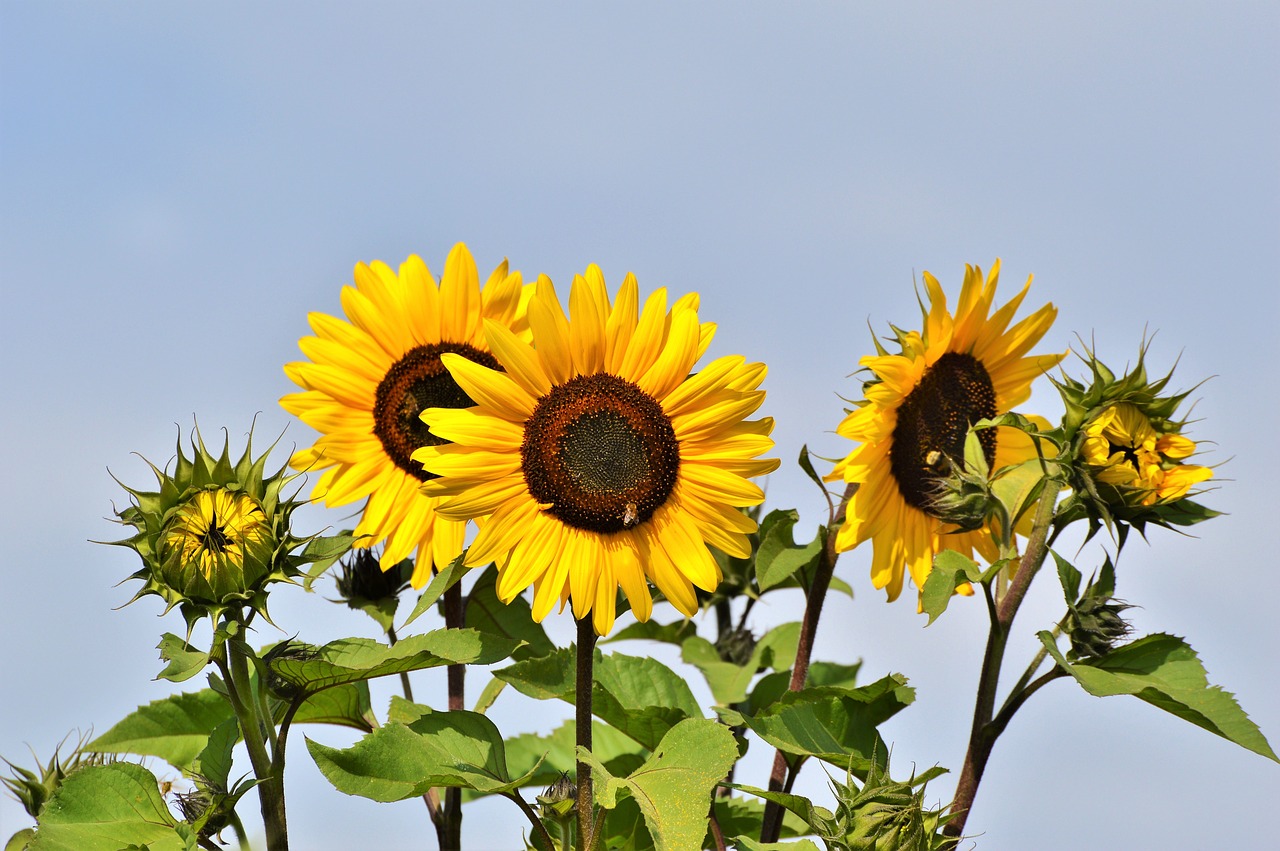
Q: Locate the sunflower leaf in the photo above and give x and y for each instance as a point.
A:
(641, 697)
(184, 663)
(778, 557)
(487, 613)
(321, 553)
(1164, 671)
(346, 705)
(670, 633)
(950, 571)
(836, 725)
(729, 682)
(108, 807)
(441, 582)
(350, 660)
(175, 729)
(673, 787)
(555, 752)
(773, 686)
(400, 761)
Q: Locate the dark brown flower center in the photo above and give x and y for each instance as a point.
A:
(933, 421)
(601, 452)
(414, 383)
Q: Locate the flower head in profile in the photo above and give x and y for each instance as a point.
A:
(912, 426)
(215, 533)
(369, 379)
(601, 460)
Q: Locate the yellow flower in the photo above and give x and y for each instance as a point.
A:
(216, 527)
(600, 459)
(1128, 453)
(368, 381)
(912, 425)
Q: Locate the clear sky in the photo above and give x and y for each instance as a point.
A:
(181, 183)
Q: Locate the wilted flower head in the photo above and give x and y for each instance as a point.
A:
(214, 534)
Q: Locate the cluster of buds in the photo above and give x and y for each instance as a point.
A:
(214, 534)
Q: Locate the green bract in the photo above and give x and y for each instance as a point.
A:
(215, 534)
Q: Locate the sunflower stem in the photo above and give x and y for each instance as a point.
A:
(538, 827)
(983, 733)
(449, 828)
(815, 596)
(584, 681)
(271, 779)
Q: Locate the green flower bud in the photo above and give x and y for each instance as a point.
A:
(736, 646)
(1096, 625)
(214, 534)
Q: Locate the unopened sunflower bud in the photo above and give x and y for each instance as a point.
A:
(214, 534)
(287, 650)
(736, 646)
(363, 580)
(1096, 625)
(560, 798)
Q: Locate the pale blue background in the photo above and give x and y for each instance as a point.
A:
(181, 183)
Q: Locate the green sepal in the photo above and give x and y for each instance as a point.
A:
(1164, 671)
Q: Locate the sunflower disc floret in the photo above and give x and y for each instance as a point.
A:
(215, 533)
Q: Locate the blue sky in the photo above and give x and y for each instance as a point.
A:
(181, 183)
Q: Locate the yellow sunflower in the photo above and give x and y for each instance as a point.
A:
(370, 378)
(1128, 453)
(600, 459)
(912, 425)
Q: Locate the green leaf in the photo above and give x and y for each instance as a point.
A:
(109, 807)
(514, 620)
(729, 682)
(773, 686)
(489, 694)
(669, 633)
(21, 840)
(214, 762)
(320, 553)
(806, 464)
(547, 756)
(746, 843)
(184, 663)
(175, 729)
(739, 816)
(778, 557)
(543, 678)
(673, 787)
(835, 725)
(950, 571)
(344, 706)
(401, 761)
(1069, 577)
(441, 582)
(641, 697)
(351, 660)
(1164, 671)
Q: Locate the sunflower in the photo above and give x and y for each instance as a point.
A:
(601, 461)
(1127, 452)
(918, 409)
(368, 381)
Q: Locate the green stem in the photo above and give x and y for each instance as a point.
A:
(1036, 662)
(271, 783)
(983, 733)
(432, 796)
(455, 613)
(815, 596)
(585, 679)
(538, 827)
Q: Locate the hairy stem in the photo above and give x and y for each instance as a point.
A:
(815, 596)
(538, 827)
(983, 733)
(271, 779)
(449, 828)
(582, 714)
